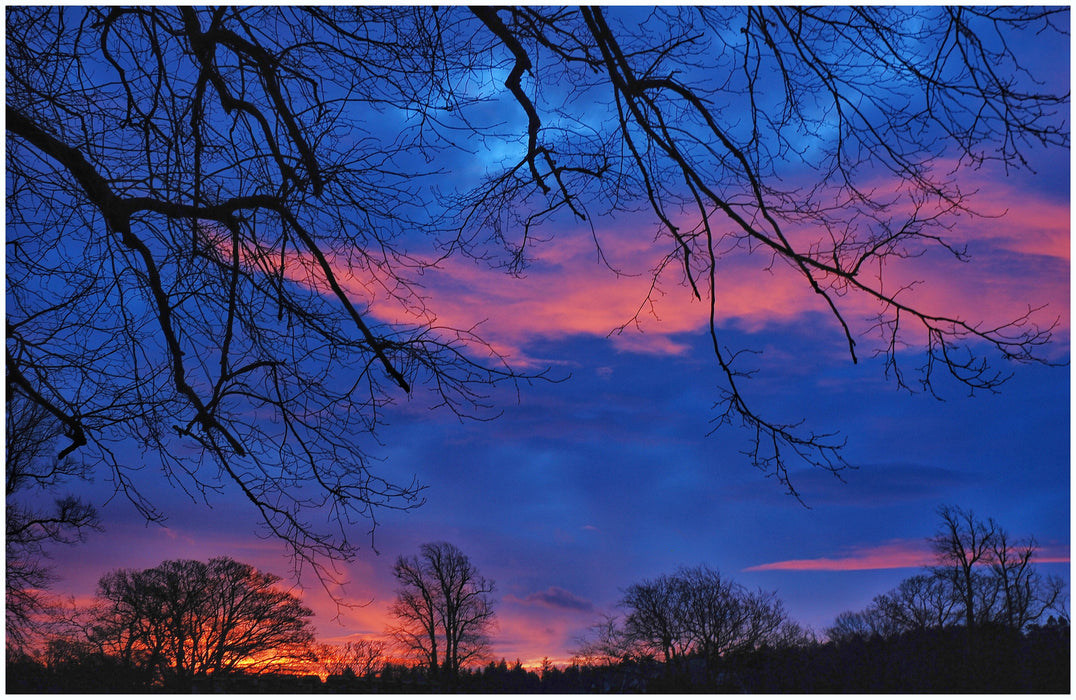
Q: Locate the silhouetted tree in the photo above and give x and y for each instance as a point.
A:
(697, 612)
(32, 468)
(721, 616)
(983, 577)
(606, 643)
(444, 609)
(195, 243)
(187, 619)
(850, 625)
(962, 543)
(655, 619)
(215, 235)
(362, 658)
(920, 602)
(1026, 595)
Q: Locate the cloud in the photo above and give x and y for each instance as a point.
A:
(898, 554)
(553, 597)
(1052, 554)
(1018, 258)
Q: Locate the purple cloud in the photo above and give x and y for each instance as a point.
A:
(554, 597)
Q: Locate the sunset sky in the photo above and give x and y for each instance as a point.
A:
(585, 486)
(612, 472)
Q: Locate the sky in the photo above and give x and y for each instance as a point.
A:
(614, 473)
(609, 476)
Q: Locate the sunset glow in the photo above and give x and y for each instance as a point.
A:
(592, 297)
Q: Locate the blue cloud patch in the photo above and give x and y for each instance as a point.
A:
(554, 597)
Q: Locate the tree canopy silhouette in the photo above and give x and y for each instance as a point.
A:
(186, 619)
(983, 577)
(31, 468)
(697, 612)
(210, 208)
(443, 609)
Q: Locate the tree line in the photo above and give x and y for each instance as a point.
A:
(984, 577)
(983, 618)
(189, 625)
(183, 623)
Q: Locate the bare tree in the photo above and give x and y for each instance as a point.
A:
(850, 625)
(722, 617)
(921, 602)
(962, 543)
(195, 243)
(696, 611)
(415, 609)
(361, 658)
(606, 643)
(187, 619)
(444, 604)
(1026, 594)
(785, 126)
(655, 618)
(209, 212)
(32, 469)
(982, 576)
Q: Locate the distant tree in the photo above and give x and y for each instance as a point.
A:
(962, 543)
(983, 576)
(722, 617)
(920, 602)
(993, 572)
(606, 643)
(33, 472)
(362, 658)
(443, 607)
(187, 619)
(696, 611)
(848, 626)
(1026, 595)
(793, 635)
(655, 618)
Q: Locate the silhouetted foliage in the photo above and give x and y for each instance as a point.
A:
(224, 627)
(933, 660)
(183, 620)
(32, 468)
(690, 621)
(983, 577)
(215, 235)
(359, 658)
(923, 661)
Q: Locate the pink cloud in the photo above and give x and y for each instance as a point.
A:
(1018, 259)
(892, 555)
(1052, 554)
(898, 554)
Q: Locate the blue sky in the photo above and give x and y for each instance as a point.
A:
(586, 485)
(613, 472)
